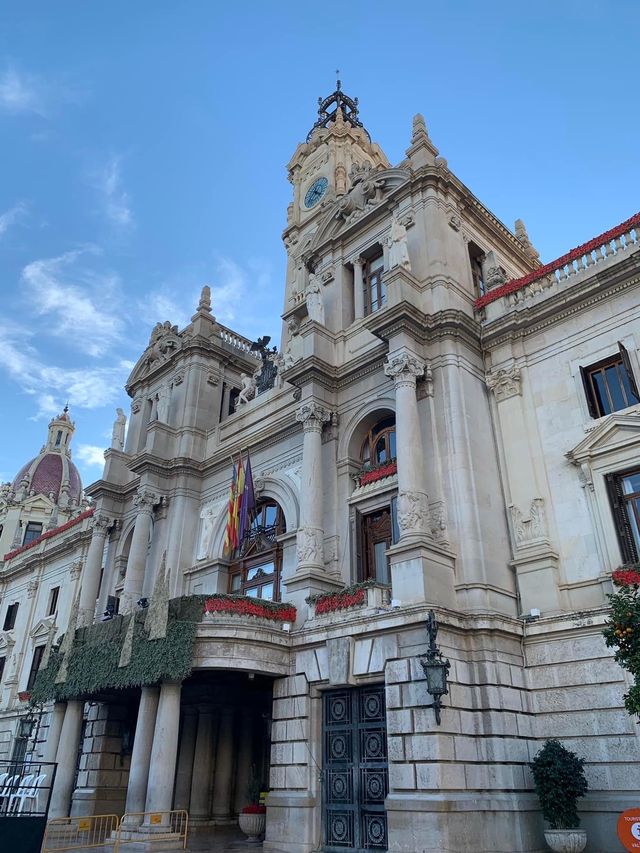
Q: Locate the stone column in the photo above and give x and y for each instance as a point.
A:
(310, 540)
(413, 502)
(201, 780)
(141, 754)
(101, 525)
(145, 501)
(245, 754)
(186, 752)
(358, 288)
(56, 719)
(224, 767)
(164, 752)
(67, 758)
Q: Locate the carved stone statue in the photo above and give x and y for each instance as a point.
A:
(397, 243)
(365, 193)
(293, 350)
(206, 532)
(117, 436)
(163, 396)
(248, 390)
(315, 305)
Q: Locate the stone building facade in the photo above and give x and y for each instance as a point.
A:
(448, 426)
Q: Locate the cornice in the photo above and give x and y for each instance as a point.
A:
(39, 560)
(424, 328)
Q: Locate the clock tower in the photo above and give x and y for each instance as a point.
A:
(321, 171)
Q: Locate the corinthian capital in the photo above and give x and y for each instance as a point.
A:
(505, 382)
(404, 367)
(101, 524)
(312, 416)
(146, 499)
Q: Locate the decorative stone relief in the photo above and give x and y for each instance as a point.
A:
(309, 546)
(163, 342)
(100, 524)
(213, 378)
(404, 367)
(327, 275)
(408, 219)
(413, 512)
(505, 382)
(117, 433)
(162, 400)
(293, 350)
(208, 515)
(455, 222)
(313, 298)
(365, 193)
(146, 499)
(313, 416)
(178, 379)
(32, 588)
(531, 528)
(438, 516)
(424, 384)
(136, 406)
(75, 570)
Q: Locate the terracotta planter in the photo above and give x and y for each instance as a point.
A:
(252, 825)
(566, 840)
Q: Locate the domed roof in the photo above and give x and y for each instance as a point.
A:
(52, 472)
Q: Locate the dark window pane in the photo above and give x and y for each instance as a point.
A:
(381, 450)
(236, 582)
(614, 384)
(601, 393)
(633, 511)
(392, 444)
(631, 483)
(382, 568)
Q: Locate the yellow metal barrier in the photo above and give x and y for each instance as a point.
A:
(141, 827)
(81, 833)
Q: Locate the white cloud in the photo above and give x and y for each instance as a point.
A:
(81, 305)
(21, 93)
(52, 386)
(12, 216)
(90, 454)
(116, 200)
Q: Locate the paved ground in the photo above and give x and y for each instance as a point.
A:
(220, 840)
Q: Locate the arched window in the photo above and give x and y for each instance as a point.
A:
(257, 570)
(379, 446)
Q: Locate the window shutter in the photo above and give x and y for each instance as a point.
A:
(626, 363)
(621, 520)
(588, 393)
(357, 568)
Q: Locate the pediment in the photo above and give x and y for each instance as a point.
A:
(42, 629)
(39, 503)
(369, 189)
(615, 432)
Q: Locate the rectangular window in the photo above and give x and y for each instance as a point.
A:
(476, 257)
(34, 529)
(258, 578)
(624, 494)
(375, 291)
(53, 601)
(609, 384)
(38, 653)
(10, 618)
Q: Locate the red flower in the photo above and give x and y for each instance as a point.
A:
(24, 695)
(254, 809)
(245, 606)
(378, 473)
(626, 577)
(339, 601)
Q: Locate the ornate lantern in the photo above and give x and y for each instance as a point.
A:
(436, 668)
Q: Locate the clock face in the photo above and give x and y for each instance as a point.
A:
(315, 192)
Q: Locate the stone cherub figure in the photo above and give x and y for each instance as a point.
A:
(397, 243)
(117, 436)
(248, 390)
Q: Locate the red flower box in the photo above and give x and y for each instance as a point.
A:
(339, 601)
(242, 605)
(626, 577)
(24, 695)
(387, 470)
(254, 809)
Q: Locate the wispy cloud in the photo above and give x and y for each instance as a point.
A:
(12, 216)
(52, 385)
(116, 200)
(21, 92)
(90, 454)
(80, 303)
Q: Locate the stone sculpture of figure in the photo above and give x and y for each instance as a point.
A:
(313, 296)
(248, 390)
(162, 404)
(117, 436)
(293, 350)
(397, 243)
(206, 532)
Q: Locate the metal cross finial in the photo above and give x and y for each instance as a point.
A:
(338, 81)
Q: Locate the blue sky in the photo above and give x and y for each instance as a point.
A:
(143, 149)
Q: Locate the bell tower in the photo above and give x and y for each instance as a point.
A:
(321, 170)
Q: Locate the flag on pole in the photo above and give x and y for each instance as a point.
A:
(248, 501)
(229, 538)
(238, 503)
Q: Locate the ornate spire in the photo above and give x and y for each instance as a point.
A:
(523, 239)
(334, 104)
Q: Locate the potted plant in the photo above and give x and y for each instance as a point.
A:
(253, 817)
(558, 775)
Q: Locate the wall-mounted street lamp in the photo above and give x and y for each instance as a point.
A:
(436, 668)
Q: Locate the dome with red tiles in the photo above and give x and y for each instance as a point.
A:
(52, 473)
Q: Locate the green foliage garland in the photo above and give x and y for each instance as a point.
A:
(622, 631)
(95, 654)
(558, 775)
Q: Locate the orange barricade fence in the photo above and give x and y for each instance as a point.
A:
(81, 833)
(140, 827)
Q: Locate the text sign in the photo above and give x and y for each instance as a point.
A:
(84, 824)
(156, 818)
(629, 829)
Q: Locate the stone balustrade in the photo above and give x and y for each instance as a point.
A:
(236, 341)
(577, 264)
